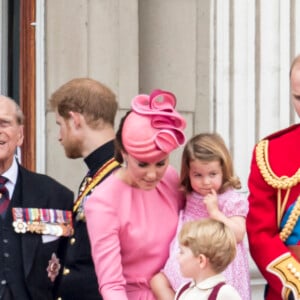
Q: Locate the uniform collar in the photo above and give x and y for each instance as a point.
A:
(100, 156)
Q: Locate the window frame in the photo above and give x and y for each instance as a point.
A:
(28, 81)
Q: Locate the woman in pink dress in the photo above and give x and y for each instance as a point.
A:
(207, 176)
(132, 217)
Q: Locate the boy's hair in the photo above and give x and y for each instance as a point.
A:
(208, 147)
(211, 238)
(87, 96)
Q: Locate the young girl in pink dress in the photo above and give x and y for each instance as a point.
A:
(207, 177)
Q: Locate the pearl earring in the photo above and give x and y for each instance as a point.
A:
(125, 163)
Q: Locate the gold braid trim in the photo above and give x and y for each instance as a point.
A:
(280, 183)
(291, 221)
(287, 269)
(100, 174)
(283, 182)
(286, 293)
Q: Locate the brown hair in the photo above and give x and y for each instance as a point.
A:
(86, 96)
(213, 239)
(208, 147)
(119, 147)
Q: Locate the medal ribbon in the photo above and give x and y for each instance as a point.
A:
(43, 221)
(43, 215)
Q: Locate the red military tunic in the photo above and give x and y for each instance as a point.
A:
(274, 179)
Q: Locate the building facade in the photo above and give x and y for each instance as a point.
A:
(227, 61)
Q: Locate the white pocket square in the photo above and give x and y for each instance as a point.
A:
(47, 238)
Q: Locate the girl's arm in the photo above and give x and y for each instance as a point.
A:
(236, 223)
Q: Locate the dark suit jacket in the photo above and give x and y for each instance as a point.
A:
(41, 191)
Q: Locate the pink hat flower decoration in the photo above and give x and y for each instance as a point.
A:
(153, 128)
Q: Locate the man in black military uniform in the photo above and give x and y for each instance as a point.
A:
(85, 111)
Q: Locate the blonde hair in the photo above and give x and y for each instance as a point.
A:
(211, 238)
(208, 147)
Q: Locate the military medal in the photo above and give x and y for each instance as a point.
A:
(53, 267)
(20, 226)
(43, 221)
(35, 227)
(80, 211)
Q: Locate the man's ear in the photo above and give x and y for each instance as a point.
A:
(20, 135)
(76, 118)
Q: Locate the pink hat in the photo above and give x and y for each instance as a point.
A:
(153, 128)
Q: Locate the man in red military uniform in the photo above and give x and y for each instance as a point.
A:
(274, 205)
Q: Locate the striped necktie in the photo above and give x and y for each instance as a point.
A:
(4, 196)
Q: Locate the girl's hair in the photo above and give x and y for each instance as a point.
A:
(208, 147)
(119, 147)
(212, 238)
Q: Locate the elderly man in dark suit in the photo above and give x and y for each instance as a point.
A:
(35, 219)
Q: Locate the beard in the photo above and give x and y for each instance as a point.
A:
(73, 150)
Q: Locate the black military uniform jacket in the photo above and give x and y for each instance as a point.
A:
(79, 280)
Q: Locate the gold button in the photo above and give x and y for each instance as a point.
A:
(66, 271)
(72, 241)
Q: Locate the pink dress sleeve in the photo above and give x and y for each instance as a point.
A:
(103, 229)
(234, 203)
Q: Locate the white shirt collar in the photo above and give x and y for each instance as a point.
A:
(210, 282)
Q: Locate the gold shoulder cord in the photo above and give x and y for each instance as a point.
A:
(279, 183)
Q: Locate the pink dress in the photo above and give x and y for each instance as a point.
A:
(231, 203)
(130, 232)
